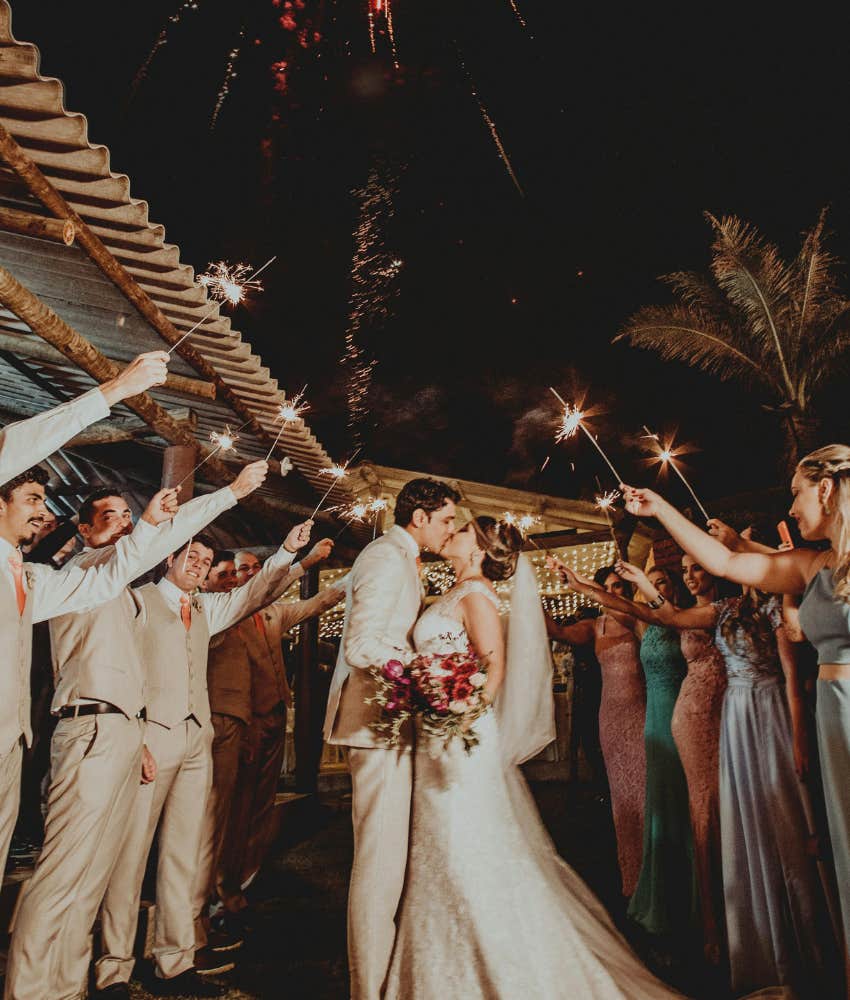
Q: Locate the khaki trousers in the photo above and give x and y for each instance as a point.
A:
(10, 797)
(179, 795)
(95, 769)
(251, 828)
(382, 784)
(228, 733)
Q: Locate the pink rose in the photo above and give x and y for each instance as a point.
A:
(394, 669)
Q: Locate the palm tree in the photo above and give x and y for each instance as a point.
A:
(758, 319)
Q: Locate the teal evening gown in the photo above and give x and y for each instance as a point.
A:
(665, 901)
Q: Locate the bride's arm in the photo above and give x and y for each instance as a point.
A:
(484, 628)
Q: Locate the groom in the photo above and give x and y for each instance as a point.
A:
(383, 602)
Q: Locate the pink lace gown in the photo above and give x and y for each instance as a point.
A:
(696, 732)
(622, 714)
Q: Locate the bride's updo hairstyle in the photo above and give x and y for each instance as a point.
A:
(502, 544)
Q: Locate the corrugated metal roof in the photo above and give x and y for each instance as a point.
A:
(32, 110)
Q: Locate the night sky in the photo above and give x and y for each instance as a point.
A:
(623, 124)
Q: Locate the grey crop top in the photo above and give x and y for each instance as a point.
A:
(826, 621)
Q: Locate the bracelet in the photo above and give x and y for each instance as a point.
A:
(657, 603)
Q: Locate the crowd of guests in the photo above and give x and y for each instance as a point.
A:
(168, 705)
(731, 829)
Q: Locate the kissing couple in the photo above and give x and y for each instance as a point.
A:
(457, 892)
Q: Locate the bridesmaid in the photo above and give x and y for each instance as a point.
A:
(696, 731)
(621, 719)
(695, 728)
(665, 902)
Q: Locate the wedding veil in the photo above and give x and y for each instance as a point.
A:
(524, 706)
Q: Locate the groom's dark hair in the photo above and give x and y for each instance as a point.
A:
(422, 494)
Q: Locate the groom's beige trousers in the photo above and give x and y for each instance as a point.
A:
(382, 783)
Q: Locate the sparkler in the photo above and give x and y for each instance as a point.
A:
(572, 420)
(289, 411)
(667, 456)
(337, 473)
(604, 502)
(360, 511)
(223, 441)
(225, 283)
(523, 523)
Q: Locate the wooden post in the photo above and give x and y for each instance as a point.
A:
(178, 460)
(307, 711)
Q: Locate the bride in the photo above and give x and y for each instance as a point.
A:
(489, 909)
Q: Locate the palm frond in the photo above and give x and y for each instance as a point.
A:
(758, 282)
(816, 299)
(698, 291)
(680, 333)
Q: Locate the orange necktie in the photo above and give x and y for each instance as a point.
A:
(185, 612)
(16, 564)
(259, 623)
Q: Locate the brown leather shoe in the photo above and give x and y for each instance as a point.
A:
(223, 940)
(212, 963)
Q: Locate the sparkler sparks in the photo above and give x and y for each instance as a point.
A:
(229, 282)
(337, 473)
(223, 441)
(605, 503)
(225, 282)
(666, 455)
(572, 420)
(360, 511)
(288, 411)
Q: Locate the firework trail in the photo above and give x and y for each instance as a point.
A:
(229, 77)
(161, 39)
(491, 125)
(519, 16)
(374, 273)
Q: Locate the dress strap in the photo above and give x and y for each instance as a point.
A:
(472, 587)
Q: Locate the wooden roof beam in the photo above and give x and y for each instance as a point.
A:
(41, 188)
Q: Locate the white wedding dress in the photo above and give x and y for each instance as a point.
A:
(489, 909)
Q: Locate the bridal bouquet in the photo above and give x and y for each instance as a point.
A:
(444, 689)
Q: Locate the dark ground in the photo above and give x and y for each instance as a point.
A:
(297, 947)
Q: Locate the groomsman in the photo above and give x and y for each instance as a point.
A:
(97, 752)
(249, 695)
(251, 826)
(33, 593)
(175, 635)
(27, 442)
(221, 578)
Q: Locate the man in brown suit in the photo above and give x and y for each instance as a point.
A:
(249, 693)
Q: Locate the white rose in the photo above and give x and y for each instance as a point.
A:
(478, 680)
(458, 707)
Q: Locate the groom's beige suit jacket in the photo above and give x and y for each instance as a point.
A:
(382, 604)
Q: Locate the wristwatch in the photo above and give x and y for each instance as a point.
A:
(657, 603)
